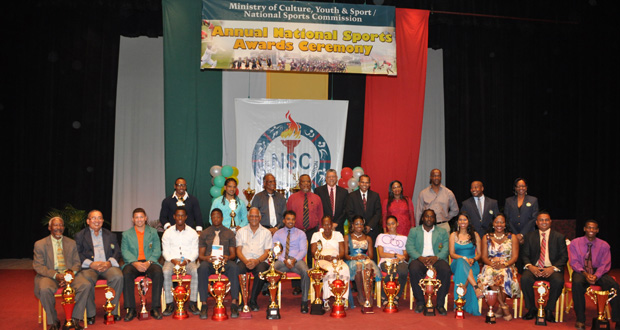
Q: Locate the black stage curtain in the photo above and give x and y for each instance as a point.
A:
(351, 87)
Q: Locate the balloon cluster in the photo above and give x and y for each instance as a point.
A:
(220, 174)
(349, 178)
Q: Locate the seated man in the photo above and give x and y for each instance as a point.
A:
(427, 245)
(590, 259)
(218, 242)
(253, 245)
(295, 248)
(544, 255)
(141, 251)
(99, 253)
(52, 256)
(179, 246)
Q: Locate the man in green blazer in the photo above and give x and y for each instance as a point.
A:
(427, 245)
(141, 259)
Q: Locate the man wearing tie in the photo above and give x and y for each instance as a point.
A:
(308, 205)
(334, 199)
(366, 203)
(480, 208)
(270, 203)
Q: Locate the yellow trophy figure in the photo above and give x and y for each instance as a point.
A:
(219, 290)
(272, 276)
(180, 293)
(233, 206)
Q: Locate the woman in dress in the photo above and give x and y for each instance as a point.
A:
(465, 252)
(332, 254)
(500, 251)
(399, 206)
(358, 255)
(230, 202)
(391, 246)
(521, 210)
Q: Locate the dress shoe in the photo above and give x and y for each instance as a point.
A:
(580, 325)
(76, 322)
(549, 316)
(326, 305)
(530, 315)
(156, 314)
(419, 308)
(117, 318)
(169, 309)
(253, 306)
(441, 310)
(204, 311)
(296, 291)
(304, 307)
(234, 311)
(55, 326)
(131, 313)
(265, 293)
(193, 308)
(90, 320)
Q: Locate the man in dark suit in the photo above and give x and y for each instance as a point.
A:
(99, 255)
(366, 203)
(52, 256)
(271, 204)
(181, 197)
(334, 199)
(480, 208)
(544, 255)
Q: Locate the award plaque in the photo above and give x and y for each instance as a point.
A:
(316, 280)
(109, 307)
(460, 302)
(68, 301)
(429, 285)
(601, 299)
(339, 287)
(491, 297)
(368, 276)
(143, 288)
(218, 290)
(244, 282)
(541, 291)
(391, 288)
(273, 277)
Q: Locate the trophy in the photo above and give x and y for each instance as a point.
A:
(541, 290)
(109, 307)
(143, 288)
(272, 276)
(233, 206)
(430, 284)
(249, 194)
(296, 188)
(180, 293)
(367, 279)
(491, 297)
(460, 302)
(244, 281)
(601, 299)
(338, 287)
(316, 278)
(68, 297)
(219, 290)
(391, 288)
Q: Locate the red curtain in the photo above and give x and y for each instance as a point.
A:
(394, 108)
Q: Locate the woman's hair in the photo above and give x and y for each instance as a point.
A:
(391, 195)
(470, 229)
(358, 217)
(506, 229)
(514, 184)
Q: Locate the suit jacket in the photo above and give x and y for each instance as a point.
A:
(84, 242)
(355, 206)
(490, 211)
(415, 243)
(340, 203)
(524, 221)
(152, 245)
(43, 260)
(261, 201)
(558, 253)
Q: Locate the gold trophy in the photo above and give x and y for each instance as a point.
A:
(68, 303)
(180, 293)
(460, 302)
(391, 288)
(272, 276)
(109, 307)
(244, 282)
(143, 288)
(430, 284)
(541, 290)
(249, 195)
(601, 299)
(339, 288)
(296, 188)
(368, 275)
(491, 297)
(233, 206)
(316, 278)
(219, 290)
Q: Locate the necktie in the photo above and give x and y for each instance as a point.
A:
(543, 251)
(60, 258)
(306, 212)
(364, 201)
(588, 262)
(479, 204)
(288, 244)
(216, 239)
(331, 200)
(272, 212)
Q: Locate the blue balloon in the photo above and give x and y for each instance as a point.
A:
(219, 181)
(216, 191)
(227, 171)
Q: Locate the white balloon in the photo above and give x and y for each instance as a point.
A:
(353, 183)
(215, 170)
(357, 173)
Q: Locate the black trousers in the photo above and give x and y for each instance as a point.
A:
(556, 281)
(258, 283)
(130, 273)
(580, 284)
(417, 271)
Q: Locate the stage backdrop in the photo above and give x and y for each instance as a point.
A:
(288, 138)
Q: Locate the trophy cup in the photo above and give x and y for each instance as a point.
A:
(316, 278)
(219, 290)
(430, 284)
(338, 287)
(391, 288)
(601, 299)
(367, 277)
(143, 288)
(180, 293)
(233, 206)
(244, 281)
(249, 194)
(272, 276)
(296, 188)
(109, 307)
(541, 290)
(460, 302)
(68, 297)
(491, 297)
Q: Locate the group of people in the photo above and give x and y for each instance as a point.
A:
(506, 244)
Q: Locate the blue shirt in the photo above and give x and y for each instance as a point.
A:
(241, 216)
(298, 246)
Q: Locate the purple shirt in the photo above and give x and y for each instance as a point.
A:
(298, 247)
(601, 257)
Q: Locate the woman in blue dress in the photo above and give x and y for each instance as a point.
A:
(358, 254)
(465, 253)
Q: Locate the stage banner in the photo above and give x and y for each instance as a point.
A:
(288, 138)
(298, 36)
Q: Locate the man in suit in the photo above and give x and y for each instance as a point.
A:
(439, 198)
(544, 255)
(334, 199)
(480, 208)
(270, 203)
(181, 197)
(366, 203)
(99, 254)
(141, 259)
(427, 245)
(52, 256)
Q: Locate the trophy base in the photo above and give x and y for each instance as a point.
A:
(180, 315)
(69, 325)
(108, 319)
(338, 311)
(367, 310)
(273, 313)
(490, 319)
(459, 315)
(245, 315)
(540, 320)
(599, 324)
(429, 311)
(390, 309)
(219, 314)
(317, 309)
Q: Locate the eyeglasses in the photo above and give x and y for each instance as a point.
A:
(180, 184)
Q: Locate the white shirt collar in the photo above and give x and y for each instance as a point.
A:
(174, 195)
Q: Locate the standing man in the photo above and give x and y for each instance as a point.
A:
(590, 259)
(366, 203)
(270, 203)
(253, 245)
(180, 197)
(544, 255)
(308, 205)
(295, 247)
(99, 253)
(180, 247)
(438, 198)
(218, 242)
(334, 199)
(52, 256)
(427, 245)
(480, 208)
(141, 251)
